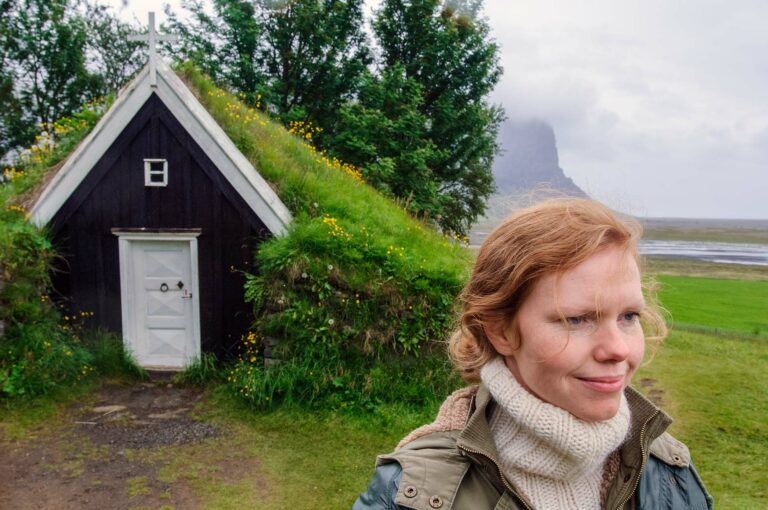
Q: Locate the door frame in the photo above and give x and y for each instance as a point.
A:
(126, 238)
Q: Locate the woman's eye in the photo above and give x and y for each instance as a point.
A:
(576, 322)
(630, 317)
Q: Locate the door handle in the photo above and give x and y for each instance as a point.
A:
(186, 295)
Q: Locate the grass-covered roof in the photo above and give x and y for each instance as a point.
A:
(357, 283)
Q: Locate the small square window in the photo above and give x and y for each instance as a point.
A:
(155, 172)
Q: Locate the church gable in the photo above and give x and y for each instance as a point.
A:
(154, 176)
(184, 110)
(156, 216)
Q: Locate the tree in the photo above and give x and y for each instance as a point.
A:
(384, 133)
(225, 45)
(55, 56)
(314, 51)
(302, 57)
(447, 50)
(110, 53)
(48, 54)
(13, 125)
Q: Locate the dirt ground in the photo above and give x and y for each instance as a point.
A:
(118, 450)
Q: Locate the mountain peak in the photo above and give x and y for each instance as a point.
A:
(529, 160)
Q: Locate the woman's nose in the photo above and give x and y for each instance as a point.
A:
(612, 344)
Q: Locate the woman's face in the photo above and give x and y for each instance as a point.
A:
(583, 363)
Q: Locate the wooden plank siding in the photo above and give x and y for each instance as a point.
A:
(113, 195)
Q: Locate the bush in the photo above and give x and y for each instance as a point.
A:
(338, 379)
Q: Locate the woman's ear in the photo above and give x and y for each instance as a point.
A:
(498, 334)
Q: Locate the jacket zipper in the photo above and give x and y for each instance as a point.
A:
(501, 475)
(642, 464)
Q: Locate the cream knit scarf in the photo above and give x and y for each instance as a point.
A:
(553, 458)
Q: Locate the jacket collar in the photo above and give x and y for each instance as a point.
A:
(647, 423)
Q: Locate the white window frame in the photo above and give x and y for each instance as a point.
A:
(149, 173)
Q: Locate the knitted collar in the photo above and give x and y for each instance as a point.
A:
(537, 438)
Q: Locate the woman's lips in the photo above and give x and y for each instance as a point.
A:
(609, 384)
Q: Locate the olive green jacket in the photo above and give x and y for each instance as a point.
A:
(460, 470)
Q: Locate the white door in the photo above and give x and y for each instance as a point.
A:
(161, 329)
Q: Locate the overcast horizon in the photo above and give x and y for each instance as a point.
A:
(660, 109)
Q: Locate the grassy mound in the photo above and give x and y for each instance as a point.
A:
(39, 350)
(354, 301)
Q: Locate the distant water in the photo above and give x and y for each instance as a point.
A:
(724, 253)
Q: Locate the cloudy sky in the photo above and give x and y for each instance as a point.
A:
(660, 108)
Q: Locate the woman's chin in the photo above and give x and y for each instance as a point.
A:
(597, 411)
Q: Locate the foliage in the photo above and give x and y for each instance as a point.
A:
(385, 134)
(355, 301)
(445, 47)
(201, 371)
(40, 350)
(54, 56)
(110, 53)
(37, 354)
(109, 357)
(45, 46)
(417, 123)
(301, 58)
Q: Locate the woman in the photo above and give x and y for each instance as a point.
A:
(554, 324)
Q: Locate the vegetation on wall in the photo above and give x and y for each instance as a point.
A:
(40, 349)
(354, 303)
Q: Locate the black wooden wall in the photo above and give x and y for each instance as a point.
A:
(113, 195)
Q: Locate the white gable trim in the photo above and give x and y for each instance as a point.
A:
(90, 150)
(199, 124)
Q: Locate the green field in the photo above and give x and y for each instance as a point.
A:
(720, 305)
(716, 389)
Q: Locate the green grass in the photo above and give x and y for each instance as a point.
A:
(284, 459)
(311, 186)
(720, 305)
(110, 359)
(716, 389)
(201, 371)
(21, 418)
(309, 460)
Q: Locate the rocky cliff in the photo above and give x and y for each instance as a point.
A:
(529, 160)
(528, 169)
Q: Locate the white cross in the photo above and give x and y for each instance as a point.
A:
(153, 37)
